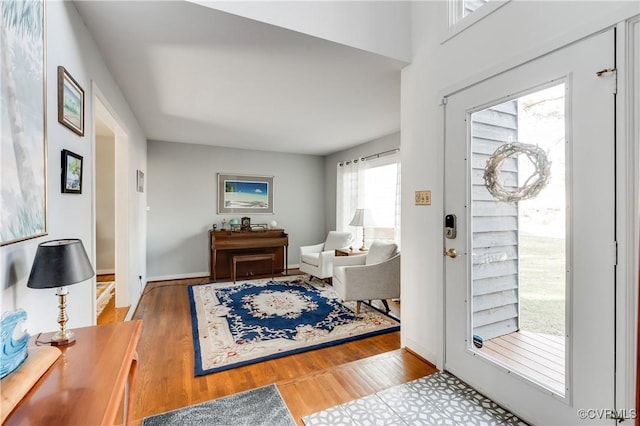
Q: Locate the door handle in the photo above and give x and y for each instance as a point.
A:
(452, 253)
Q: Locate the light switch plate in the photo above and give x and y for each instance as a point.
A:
(423, 198)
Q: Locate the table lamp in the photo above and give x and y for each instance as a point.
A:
(362, 217)
(60, 263)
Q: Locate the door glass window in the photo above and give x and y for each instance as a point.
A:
(519, 262)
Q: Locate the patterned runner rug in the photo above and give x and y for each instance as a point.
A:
(243, 323)
(438, 399)
(257, 407)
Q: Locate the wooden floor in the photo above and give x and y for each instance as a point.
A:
(110, 313)
(309, 382)
(538, 356)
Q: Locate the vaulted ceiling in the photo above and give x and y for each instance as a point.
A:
(194, 74)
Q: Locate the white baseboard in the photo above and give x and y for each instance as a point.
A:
(105, 271)
(191, 275)
(178, 276)
(423, 352)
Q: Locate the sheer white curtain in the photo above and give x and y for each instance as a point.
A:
(348, 194)
(371, 183)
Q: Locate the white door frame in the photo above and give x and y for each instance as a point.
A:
(103, 109)
(628, 196)
(628, 208)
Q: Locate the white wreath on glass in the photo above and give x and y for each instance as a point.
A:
(532, 185)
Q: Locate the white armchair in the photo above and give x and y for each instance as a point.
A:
(317, 260)
(373, 276)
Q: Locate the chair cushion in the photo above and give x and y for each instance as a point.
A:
(311, 259)
(336, 240)
(379, 251)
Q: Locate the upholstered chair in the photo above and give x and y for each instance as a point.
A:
(373, 276)
(317, 260)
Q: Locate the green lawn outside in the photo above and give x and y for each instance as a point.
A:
(542, 285)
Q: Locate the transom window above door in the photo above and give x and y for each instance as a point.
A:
(464, 13)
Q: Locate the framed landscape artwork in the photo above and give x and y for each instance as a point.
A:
(70, 102)
(23, 142)
(245, 194)
(71, 172)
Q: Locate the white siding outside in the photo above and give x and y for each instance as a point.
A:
(494, 227)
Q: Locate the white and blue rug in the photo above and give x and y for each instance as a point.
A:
(438, 399)
(239, 324)
(257, 407)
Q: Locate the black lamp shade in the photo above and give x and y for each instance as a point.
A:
(60, 263)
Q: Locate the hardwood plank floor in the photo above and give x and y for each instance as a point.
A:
(309, 381)
(110, 313)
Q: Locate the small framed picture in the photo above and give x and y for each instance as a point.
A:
(70, 102)
(140, 181)
(71, 172)
(245, 224)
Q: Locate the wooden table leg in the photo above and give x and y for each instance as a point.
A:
(234, 265)
(131, 384)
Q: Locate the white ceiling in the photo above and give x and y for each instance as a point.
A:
(197, 75)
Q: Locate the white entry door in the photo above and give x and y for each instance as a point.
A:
(530, 280)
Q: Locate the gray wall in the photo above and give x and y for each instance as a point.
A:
(182, 193)
(375, 146)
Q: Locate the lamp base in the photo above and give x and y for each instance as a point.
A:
(363, 248)
(62, 338)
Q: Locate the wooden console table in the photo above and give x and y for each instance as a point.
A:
(86, 384)
(224, 245)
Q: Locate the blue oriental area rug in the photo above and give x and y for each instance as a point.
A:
(243, 323)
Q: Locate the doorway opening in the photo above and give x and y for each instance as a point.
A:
(519, 247)
(111, 213)
(105, 221)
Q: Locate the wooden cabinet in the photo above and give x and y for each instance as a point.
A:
(225, 244)
(86, 384)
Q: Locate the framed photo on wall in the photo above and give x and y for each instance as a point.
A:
(139, 181)
(23, 140)
(245, 194)
(70, 102)
(71, 172)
